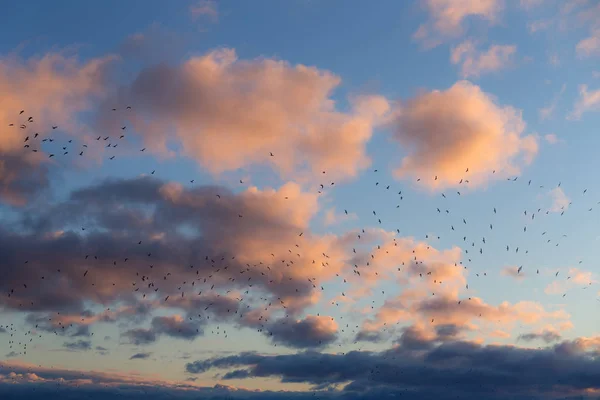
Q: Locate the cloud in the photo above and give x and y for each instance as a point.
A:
(140, 336)
(478, 135)
(560, 201)
(575, 277)
(140, 356)
(588, 101)
(475, 63)
(79, 345)
(418, 365)
(52, 90)
(228, 113)
(311, 332)
(513, 272)
(204, 8)
(270, 226)
(176, 326)
(436, 300)
(447, 370)
(212, 242)
(447, 17)
(552, 138)
(589, 46)
(547, 336)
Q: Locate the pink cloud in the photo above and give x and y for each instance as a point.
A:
(51, 89)
(228, 113)
(447, 132)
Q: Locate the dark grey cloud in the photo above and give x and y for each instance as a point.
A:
(173, 326)
(371, 336)
(105, 263)
(310, 332)
(479, 373)
(454, 368)
(545, 336)
(21, 179)
(140, 356)
(79, 345)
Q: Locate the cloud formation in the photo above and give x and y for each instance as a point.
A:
(424, 368)
(204, 8)
(560, 201)
(444, 133)
(474, 63)
(140, 356)
(78, 345)
(588, 101)
(228, 113)
(447, 18)
(51, 89)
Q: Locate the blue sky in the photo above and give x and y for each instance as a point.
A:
(215, 87)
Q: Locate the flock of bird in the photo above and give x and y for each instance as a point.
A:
(147, 282)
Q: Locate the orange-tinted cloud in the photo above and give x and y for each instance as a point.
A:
(51, 89)
(447, 132)
(229, 113)
(447, 18)
(575, 278)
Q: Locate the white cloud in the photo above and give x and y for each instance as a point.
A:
(560, 201)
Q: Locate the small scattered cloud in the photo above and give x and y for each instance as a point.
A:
(560, 201)
(513, 272)
(548, 111)
(447, 18)
(474, 63)
(589, 46)
(575, 278)
(552, 138)
(546, 335)
(140, 356)
(588, 101)
(79, 345)
(204, 8)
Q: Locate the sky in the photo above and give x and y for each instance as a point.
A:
(300, 199)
